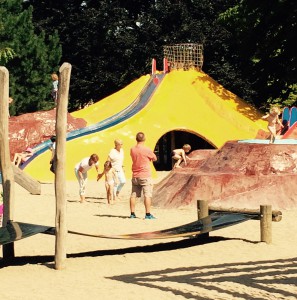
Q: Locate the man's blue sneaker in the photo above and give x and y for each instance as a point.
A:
(132, 216)
(149, 217)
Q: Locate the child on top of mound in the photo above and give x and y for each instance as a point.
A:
(273, 119)
(180, 155)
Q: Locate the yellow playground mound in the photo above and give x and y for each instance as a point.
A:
(187, 101)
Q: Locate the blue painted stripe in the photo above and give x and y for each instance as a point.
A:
(286, 114)
(293, 118)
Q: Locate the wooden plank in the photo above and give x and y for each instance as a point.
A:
(26, 181)
(276, 214)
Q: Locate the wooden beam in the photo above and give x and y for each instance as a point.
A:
(276, 214)
(26, 181)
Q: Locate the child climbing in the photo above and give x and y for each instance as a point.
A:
(273, 119)
(179, 155)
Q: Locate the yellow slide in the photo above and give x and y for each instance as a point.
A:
(190, 101)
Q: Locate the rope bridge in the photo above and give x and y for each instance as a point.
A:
(15, 231)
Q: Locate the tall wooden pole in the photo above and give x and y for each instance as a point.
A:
(60, 175)
(5, 162)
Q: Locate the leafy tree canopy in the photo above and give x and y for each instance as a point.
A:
(110, 43)
(265, 35)
(248, 45)
(35, 57)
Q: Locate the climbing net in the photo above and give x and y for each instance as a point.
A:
(184, 56)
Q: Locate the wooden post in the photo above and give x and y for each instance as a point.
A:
(60, 157)
(5, 162)
(266, 223)
(202, 209)
(202, 212)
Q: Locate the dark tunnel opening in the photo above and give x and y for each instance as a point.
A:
(173, 140)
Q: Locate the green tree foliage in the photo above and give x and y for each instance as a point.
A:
(112, 42)
(265, 38)
(6, 54)
(248, 45)
(35, 58)
(198, 22)
(100, 41)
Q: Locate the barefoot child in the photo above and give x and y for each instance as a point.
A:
(55, 84)
(20, 158)
(110, 181)
(273, 119)
(180, 155)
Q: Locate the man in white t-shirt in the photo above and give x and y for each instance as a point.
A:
(116, 157)
(81, 172)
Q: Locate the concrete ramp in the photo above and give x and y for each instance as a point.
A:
(239, 175)
(26, 181)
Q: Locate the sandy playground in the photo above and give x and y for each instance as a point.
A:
(233, 264)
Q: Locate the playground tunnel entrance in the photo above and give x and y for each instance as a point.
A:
(174, 140)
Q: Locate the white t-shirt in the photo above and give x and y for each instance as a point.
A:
(53, 147)
(116, 158)
(85, 165)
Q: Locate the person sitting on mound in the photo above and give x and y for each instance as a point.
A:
(180, 155)
(20, 158)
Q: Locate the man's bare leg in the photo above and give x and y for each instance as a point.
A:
(132, 204)
(147, 204)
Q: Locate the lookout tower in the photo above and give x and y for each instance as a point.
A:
(184, 56)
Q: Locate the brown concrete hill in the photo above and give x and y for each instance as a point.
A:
(240, 175)
(31, 129)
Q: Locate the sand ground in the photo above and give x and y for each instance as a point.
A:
(233, 264)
